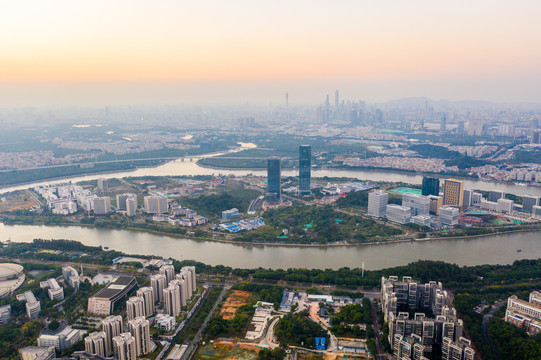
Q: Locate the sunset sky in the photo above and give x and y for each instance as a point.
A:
(154, 52)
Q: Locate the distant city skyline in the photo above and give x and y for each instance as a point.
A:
(62, 53)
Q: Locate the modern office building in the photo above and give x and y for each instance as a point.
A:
(505, 206)
(95, 343)
(467, 199)
(147, 293)
(431, 186)
(453, 193)
(496, 195)
(273, 180)
(528, 202)
(536, 137)
(377, 203)
(101, 205)
(61, 338)
(305, 169)
(111, 326)
(135, 307)
(140, 330)
(525, 314)
(104, 301)
(168, 271)
(536, 212)
(55, 291)
(422, 220)
(158, 282)
(449, 215)
(124, 347)
(156, 204)
(37, 353)
(230, 214)
(33, 306)
(476, 198)
(419, 204)
(436, 202)
(171, 295)
(398, 214)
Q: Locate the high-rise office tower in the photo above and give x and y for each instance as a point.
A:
(443, 124)
(135, 307)
(168, 271)
(140, 330)
(336, 99)
(103, 185)
(453, 193)
(305, 169)
(158, 283)
(467, 201)
(95, 343)
(431, 186)
(147, 293)
(495, 195)
(124, 347)
(273, 180)
(377, 203)
(111, 326)
(528, 202)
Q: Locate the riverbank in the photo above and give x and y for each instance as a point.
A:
(281, 244)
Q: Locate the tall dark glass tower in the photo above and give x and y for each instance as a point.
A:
(305, 168)
(431, 186)
(273, 180)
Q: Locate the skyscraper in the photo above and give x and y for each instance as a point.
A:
(453, 193)
(171, 296)
(336, 99)
(124, 346)
(443, 124)
(140, 330)
(135, 307)
(431, 186)
(168, 271)
(95, 343)
(273, 180)
(111, 326)
(147, 293)
(305, 169)
(158, 283)
(377, 203)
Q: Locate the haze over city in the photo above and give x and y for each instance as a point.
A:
(63, 53)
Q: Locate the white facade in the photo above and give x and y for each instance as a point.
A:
(165, 322)
(505, 206)
(172, 304)
(111, 326)
(168, 271)
(536, 212)
(124, 347)
(422, 220)
(37, 353)
(62, 340)
(377, 203)
(419, 204)
(131, 207)
(449, 215)
(398, 214)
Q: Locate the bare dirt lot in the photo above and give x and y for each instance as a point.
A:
(233, 302)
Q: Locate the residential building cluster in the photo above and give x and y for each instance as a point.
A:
(65, 198)
(525, 314)
(417, 336)
(402, 163)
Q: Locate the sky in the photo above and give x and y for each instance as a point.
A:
(65, 52)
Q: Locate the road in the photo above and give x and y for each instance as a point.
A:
(269, 336)
(192, 346)
(484, 328)
(375, 326)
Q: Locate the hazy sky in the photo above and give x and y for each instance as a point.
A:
(151, 52)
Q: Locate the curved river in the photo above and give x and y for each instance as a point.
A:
(185, 167)
(494, 249)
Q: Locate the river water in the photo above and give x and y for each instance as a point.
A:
(185, 167)
(494, 249)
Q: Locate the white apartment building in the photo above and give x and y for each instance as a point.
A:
(140, 330)
(95, 343)
(101, 205)
(135, 307)
(155, 204)
(147, 294)
(124, 347)
(158, 283)
(165, 322)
